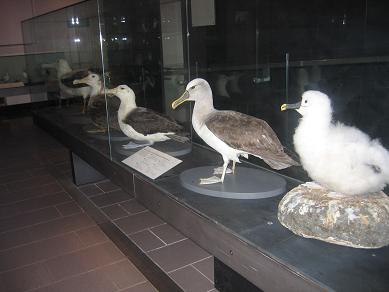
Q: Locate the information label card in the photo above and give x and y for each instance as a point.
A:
(151, 162)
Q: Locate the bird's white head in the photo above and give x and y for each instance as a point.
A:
(92, 80)
(123, 92)
(312, 103)
(62, 67)
(197, 90)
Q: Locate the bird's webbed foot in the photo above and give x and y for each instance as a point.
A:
(136, 144)
(210, 180)
(219, 170)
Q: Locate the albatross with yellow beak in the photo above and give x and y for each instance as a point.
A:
(231, 133)
(143, 125)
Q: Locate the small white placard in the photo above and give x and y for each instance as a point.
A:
(151, 162)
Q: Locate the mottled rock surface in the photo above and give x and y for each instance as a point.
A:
(312, 211)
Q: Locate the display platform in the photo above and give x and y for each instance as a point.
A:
(246, 183)
(244, 234)
(113, 135)
(170, 147)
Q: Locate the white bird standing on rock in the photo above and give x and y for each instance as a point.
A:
(339, 157)
(230, 133)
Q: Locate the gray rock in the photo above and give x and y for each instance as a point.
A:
(312, 211)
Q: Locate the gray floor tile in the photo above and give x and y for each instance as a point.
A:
(167, 233)
(33, 204)
(28, 219)
(107, 186)
(123, 274)
(25, 278)
(110, 198)
(91, 235)
(38, 251)
(114, 211)
(69, 208)
(44, 230)
(90, 190)
(146, 240)
(132, 206)
(3, 191)
(143, 287)
(89, 282)
(8, 178)
(37, 191)
(30, 182)
(138, 222)
(177, 255)
(83, 260)
(191, 280)
(62, 225)
(206, 267)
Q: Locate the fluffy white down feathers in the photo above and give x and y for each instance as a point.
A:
(339, 157)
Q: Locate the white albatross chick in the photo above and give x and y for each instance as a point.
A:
(143, 125)
(339, 157)
(230, 133)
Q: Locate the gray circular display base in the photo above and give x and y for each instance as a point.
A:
(170, 147)
(246, 183)
(115, 135)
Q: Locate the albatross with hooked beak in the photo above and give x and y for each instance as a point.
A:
(66, 76)
(231, 133)
(143, 125)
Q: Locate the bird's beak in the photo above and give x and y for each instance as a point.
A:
(81, 81)
(287, 106)
(184, 97)
(111, 91)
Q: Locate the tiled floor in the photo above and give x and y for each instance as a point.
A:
(186, 263)
(48, 243)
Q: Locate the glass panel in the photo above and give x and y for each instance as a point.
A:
(62, 46)
(257, 55)
(143, 49)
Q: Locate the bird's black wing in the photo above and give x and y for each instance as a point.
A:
(97, 110)
(146, 121)
(248, 134)
(68, 78)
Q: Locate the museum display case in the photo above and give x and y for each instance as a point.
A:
(256, 56)
(18, 84)
(62, 46)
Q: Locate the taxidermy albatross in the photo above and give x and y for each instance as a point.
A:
(66, 76)
(143, 125)
(231, 133)
(339, 157)
(98, 104)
